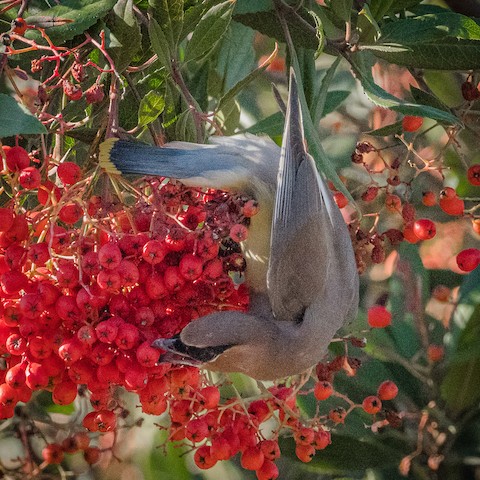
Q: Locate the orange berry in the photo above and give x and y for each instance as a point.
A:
(323, 390)
(429, 199)
(372, 404)
(388, 390)
(305, 453)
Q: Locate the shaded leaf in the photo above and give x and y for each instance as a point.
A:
(392, 129)
(123, 38)
(334, 99)
(342, 8)
(159, 42)
(15, 119)
(209, 31)
(84, 14)
(426, 98)
(348, 454)
(320, 98)
(267, 23)
(271, 126)
(459, 388)
(193, 15)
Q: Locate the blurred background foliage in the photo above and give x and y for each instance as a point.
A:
(214, 68)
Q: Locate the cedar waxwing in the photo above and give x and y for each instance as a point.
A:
(301, 266)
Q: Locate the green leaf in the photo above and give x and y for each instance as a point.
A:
(151, 106)
(342, 9)
(348, 454)
(169, 15)
(16, 119)
(193, 15)
(320, 98)
(185, 127)
(236, 57)
(379, 8)
(460, 386)
(239, 86)
(123, 37)
(392, 129)
(445, 54)
(442, 41)
(334, 99)
(426, 98)
(84, 14)
(362, 63)
(209, 31)
(252, 6)
(320, 34)
(159, 43)
(430, 28)
(267, 23)
(271, 126)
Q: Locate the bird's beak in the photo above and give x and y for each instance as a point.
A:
(170, 355)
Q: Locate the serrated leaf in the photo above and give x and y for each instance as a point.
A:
(123, 37)
(169, 15)
(15, 119)
(361, 63)
(159, 43)
(84, 14)
(342, 9)
(392, 129)
(320, 34)
(151, 106)
(444, 54)
(209, 31)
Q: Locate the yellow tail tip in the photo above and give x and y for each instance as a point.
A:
(104, 157)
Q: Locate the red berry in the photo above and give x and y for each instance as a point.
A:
(17, 158)
(409, 234)
(411, 123)
(450, 203)
(52, 453)
(252, 458)
(469, 259)
(72, 91)
(69, 173)
(268, 471)
(6, 219)
(379, 317)
(387, 390)
(424, 229)
(372, 405)
(91, 455)
(340, 199)
(191, 266)
(154, 252)
(204, 458)
(30, 178)
(473, 174)
(110, 256)
(337, 415)
(238, 232)
(94, 94)
(70, 213)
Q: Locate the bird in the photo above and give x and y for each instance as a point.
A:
(301, 268)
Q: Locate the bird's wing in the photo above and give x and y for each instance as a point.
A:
(301, 241)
